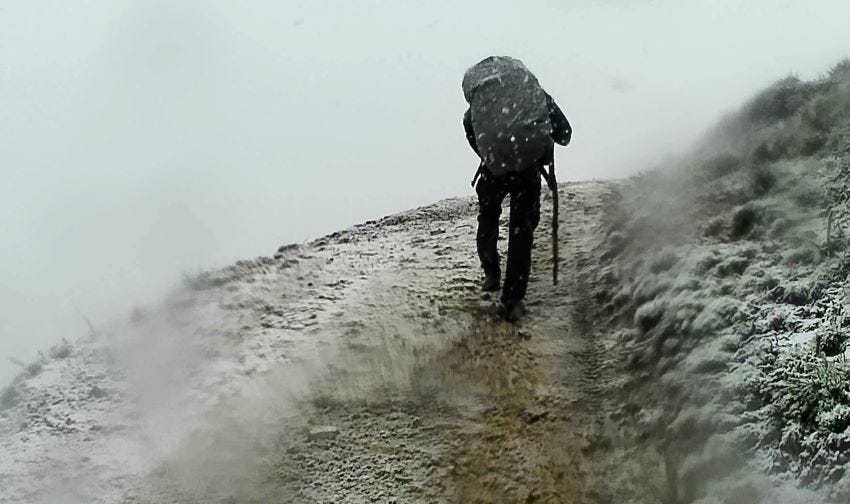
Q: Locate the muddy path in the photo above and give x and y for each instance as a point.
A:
(362, 367)
(489, 411)
(532, 445)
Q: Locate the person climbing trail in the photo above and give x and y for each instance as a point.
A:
(512, 125)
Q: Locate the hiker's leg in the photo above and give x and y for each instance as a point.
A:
(490, 195)
(525, 215)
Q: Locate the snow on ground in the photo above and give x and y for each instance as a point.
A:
(92, 424)
(695, 351)
(94, 414)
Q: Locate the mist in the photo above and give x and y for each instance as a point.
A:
(141, 140)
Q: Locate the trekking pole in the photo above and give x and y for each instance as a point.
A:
(477, 173)
(553, 186)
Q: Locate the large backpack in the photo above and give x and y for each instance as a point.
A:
(510, 116)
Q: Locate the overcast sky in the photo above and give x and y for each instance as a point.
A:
(143, 139)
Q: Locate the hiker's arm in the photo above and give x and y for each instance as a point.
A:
(470, 133)
(561, 130)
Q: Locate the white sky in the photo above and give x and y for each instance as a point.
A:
(142, 139)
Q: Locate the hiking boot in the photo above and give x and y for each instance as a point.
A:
(492, 283)
(512, 311)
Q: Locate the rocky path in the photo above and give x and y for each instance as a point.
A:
(362, 367)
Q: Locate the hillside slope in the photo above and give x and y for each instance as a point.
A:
(694, 351)
(730, 266)
(377, 331)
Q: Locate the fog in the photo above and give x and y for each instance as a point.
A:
(143, 139)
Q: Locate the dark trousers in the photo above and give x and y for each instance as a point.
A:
(524, 188)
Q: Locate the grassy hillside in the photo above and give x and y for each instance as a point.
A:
(730, 268)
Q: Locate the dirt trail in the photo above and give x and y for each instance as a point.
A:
(488, 411)
(532, 444)
(378, 332)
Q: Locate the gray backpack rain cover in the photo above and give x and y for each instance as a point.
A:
(509, 114)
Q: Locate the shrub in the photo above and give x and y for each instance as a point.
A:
(841, 71)
(777, 102)
(743, 221)
(769, 151)
(715, 227)
(762, 180)
(203, 281)
(60, 351)
(719, 166)
(649, 315)
(811, 398)
(35, 368)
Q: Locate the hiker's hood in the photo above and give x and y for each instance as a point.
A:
(489, 69)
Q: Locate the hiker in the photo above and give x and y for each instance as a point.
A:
(512, 125)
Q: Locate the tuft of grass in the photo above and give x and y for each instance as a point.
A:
(831, 337)
(719, 166)
(60, 351)
(762, 180)
(805, 386)
(734, 265)
(35, 368)
(811, 409)
(715, 227)
(744, 220)
(648, 315)
(203, 281)
(770, 150)
(663, 262)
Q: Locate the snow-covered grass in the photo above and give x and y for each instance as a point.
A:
(730, 266)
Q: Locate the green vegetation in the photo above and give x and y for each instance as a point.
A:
(732, 266)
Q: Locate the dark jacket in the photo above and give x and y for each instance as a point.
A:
(561, 130)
